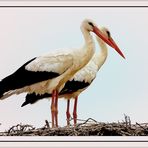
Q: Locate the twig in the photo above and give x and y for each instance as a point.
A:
(47, 124)
(19, 129)
(85, 121)
(127, 121)
(141, 126)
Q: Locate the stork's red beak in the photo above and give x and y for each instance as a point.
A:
(109, 41)
(114, 45)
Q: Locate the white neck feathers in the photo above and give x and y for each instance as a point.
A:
(100, 57)
(85, 55)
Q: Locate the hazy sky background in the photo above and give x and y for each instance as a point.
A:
(121, 85)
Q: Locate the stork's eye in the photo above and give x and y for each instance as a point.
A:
(91, 24)
(108, 33)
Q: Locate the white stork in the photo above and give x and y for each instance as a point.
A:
(48, 73)
(80, 81)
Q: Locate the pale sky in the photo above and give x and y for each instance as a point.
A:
(121, 85)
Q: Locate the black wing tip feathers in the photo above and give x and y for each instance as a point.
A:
(22, 77)
(24, 104)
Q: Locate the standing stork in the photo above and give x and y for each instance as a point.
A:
(49, 73)
(81, 80)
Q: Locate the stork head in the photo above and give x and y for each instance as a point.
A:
(89, 25)
(107, 34)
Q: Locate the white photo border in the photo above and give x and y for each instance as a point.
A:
(73, 141)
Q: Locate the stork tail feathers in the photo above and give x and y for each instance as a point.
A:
(33, 98)
(5, 85)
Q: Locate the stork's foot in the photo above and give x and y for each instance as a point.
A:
(56, 118)
(68, 118)
(68, 113)
(75, 111)
(75, 118)
(52, 115)
(54, 108)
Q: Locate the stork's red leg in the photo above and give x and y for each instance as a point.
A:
(53, 107)
(75, 111)
(68, 113)
(56, 108)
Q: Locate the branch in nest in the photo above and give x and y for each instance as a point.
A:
(47, 124)
(86, 121)
(19, 129)
(127, 121)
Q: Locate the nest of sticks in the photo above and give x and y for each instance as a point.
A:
(89, 127)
